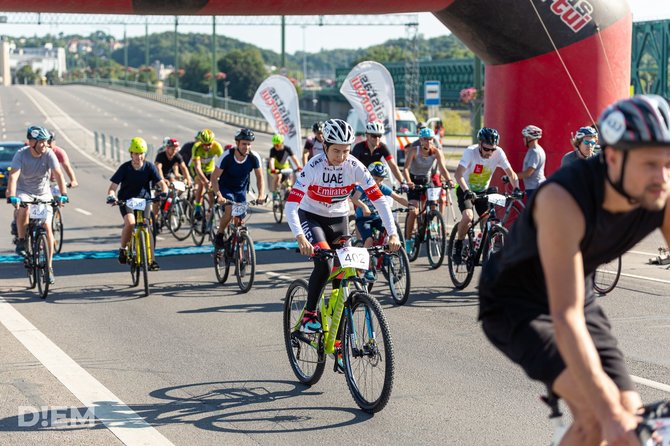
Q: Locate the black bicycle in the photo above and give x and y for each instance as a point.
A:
(429, 227)
(36, 260)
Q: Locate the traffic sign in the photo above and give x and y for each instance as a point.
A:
(431, 94)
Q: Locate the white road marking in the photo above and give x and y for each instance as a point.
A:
(651, 279)
(120, 419)
(273, 275)
(650, 383)
(81, 211)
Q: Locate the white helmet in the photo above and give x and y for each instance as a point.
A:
(532, 132)
(337, 131)
(374, 128)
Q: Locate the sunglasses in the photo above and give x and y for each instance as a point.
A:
(374, 135)
(589, 143)
(486, 149)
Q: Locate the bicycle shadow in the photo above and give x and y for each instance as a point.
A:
(430, 297)
(96, 294)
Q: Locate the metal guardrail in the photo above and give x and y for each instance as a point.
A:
(108, 147)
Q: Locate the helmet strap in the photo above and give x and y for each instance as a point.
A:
(618, 185)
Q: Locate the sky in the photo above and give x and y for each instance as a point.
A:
(309, 38)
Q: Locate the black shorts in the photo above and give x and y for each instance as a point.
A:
(530, 342)
(414, 194)
(125, 210)
(322, 231)
(481, 204)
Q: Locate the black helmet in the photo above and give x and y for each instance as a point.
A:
(642, 120)
(488, 136)
(245, 135)
(318, 127)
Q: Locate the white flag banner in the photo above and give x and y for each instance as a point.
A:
(277, 100)
(370, 91)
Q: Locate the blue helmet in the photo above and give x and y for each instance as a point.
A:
(426, 132)
(488, 136)
(378, 169)
(38, 133)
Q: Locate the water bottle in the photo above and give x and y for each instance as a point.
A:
(168, 202)
(478, 240)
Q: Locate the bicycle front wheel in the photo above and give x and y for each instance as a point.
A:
(436, 239)
(305, 351)
(278, 208)
(221, 265)
(144, 262)
(398, 276)
(461, 264)
(57, 227)
(199, 226)
(133, 261)
(415, 248)
(495, 241)
(42, 265)
(607, 276)
(179, 219)
(245, 262)
(29, 263)
(368, 357)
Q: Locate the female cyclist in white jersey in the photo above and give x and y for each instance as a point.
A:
(317, 209)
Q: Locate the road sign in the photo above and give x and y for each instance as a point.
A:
(431, 94)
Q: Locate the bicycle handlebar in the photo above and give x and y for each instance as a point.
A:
(330, 253)
(25, 204)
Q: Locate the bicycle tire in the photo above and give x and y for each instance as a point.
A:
(57, 228)
(29, 261)
(495, 240)
(154, 227)
(436, 239)
(413, 253)
(132, 260)
(401, 236)
(184, 211)
(605, 278)
(278, 208)
(42, 265)
(461, 274)
(221, 265)
(399, 276)
(374, 353)
(144, 262)
(307, 362)
(245, 264)
(199, 227)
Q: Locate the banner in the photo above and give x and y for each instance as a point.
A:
(370, 91)
(277, 100)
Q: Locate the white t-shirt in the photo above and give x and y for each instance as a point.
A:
(478, 171)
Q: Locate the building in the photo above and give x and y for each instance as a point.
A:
(44, 59)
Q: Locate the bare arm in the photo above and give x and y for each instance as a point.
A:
(215, 182)
(260, 181)
(11, 183)
(70, 173)
(185, 173)
(512, 177)
(460, 178)
(526, 173)
(400, 199)
(408, 162)
(111, 190)
(443, 167)
(356, 199)
(60, 180)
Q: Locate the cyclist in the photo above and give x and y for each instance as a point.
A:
(186, 151)
(230, 179)
(537, 303)
(533, 163)
(136, 177)
(313, 146)
(584, 143)
(418, 170)
(279, 159)
(367, 217)
(373, 149)
(435, 176)
(32, 167)
(166, 161)
(317, 209)
(63, 160)
(203, 161)
(473, 174)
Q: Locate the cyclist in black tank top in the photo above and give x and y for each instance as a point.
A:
(536, 300)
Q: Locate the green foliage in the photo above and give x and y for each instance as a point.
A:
(26, 75)
(244, 71)
(195, 67)
(455, 122)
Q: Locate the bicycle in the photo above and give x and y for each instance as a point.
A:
(57, 221)
(429, 227)
(238, 248)
(281, 194)
(139, 255)
(607, 276)
(174, 213)
(482, 245)
(364, 337)
(37, 245)
(207, 224)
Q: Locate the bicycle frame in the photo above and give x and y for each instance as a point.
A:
(140, 226)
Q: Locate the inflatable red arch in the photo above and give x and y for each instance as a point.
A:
(552, 63)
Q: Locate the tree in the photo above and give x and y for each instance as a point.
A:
(195, 68)
(244, 70)
(25, 75)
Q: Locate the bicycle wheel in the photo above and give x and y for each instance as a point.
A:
(305, 351)
(144, 263)
(199, 227)
(607, 276)
(495, 241)
(416, 239)
(437, 239)
(42, 265)
(213, 225)
(57, 228)
(245, 262)
(133, 261)
(29, 261)
(398, 276)
(179, 219)
(401, 235)
(278, 207)
(221, 265)
(461, 265)
(367, 351)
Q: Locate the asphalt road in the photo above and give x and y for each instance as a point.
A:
(199, 363)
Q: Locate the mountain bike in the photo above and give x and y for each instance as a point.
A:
(480, 246)
(57, 220)
(607, 276)
(238, 248)
(280, 196)
(429, 227)
(175, 212)
(36, 260)
(354, 326)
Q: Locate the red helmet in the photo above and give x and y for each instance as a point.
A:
(171, 142)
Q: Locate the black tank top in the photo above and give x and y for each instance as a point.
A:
(515, 274)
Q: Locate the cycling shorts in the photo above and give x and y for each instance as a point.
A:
(481, 204)
(322, 231)
(125, 210)
(239, 196)
(366, 226)
(414, 194)
(26, 197)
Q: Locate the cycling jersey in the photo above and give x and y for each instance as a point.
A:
(186, 152)
(168, 164)
(235, 176)
(35, 171)
(62, 158)
(207, 157)
(324, 189)
(281, 157)
(362, 152)
(478, 170)
(314, 146)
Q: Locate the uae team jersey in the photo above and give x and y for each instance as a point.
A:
(478, 171)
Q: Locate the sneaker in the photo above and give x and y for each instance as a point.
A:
(338, 356)
(52, 278)
(275, 195)
(21, 248)
(219, 243)
(369, 276)
(310, 322)
(458, 249)
(123, 256)
(197, 213)
(154, 266)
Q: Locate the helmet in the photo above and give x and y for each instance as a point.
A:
(205, 136)
(171, 142)
(488, 136)
(317, 127)
(378, 169)
(532, 132)
(422, 125)
(337, 131)
(584, 132)
(137, 145)
(375, 128)
(426, 132)
(277, 139)
(245, 135)
(642, 120)
(52, 135)
(38, 133)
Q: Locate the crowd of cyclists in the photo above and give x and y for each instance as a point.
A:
(536, 304)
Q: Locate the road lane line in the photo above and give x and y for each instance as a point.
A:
(120, 419)
(650, 383)
(82, 211)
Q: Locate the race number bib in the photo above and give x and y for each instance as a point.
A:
(350, 257)
(136, 204)
(239, 209)
(39, 211)
(433, 193)
(497, 199)
(179, 185)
